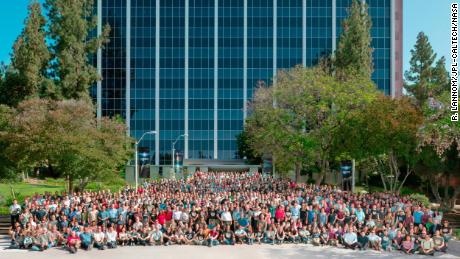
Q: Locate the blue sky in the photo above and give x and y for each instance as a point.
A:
(430, 16)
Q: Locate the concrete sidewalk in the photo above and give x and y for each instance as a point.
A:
(241, 251)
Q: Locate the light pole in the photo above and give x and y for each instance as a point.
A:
(173, 150)
(136, 166)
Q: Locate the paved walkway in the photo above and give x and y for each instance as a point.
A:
(241, 251)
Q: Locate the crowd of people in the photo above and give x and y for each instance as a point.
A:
(223, 208)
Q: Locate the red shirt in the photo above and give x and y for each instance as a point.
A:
(162, 218)
(279, 214)
(72, 240)
(169, 215)
(214, 234)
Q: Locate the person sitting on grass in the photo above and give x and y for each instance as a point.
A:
(73, 242)
(123, 239)
(316, 237)
(350, 239)
(111, 237)
(269, 235)
(427, 246)
(386, 242)
(199, 238)
(375, 242)
(228, 236)
(156, 236)
(86, 239)
(241, 235)
(304, 234)
(293, 235)
(280, 235)
(99, 239)
(363, 240)
(439, 244)
(143, 237)
(213, 236)
(251, 235)
(407, 246)
(259, 235)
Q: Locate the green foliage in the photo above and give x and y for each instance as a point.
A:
(29, 60)
(296, 120)
(420, 198)
(354, 52)
(438, 138)
(63, 136)
(425, 77)
(384, 132)
(70, 22)
(245, 150)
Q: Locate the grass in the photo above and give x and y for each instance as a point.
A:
(457, 233)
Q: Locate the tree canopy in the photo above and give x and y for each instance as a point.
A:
(64, 137)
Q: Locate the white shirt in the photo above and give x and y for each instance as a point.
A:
(111, 236)
(226, 216)
(177, 214)
(99, 236)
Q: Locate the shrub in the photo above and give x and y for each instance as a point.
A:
(423, 199)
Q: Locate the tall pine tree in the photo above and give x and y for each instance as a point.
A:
(26, 74)
(426, 77)
(354, 51)
(70, 24)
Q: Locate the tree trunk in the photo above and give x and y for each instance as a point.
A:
(435, 188)
(322, 173)
(298, 168)
(70, 183)
(408, 172)
(82, 184)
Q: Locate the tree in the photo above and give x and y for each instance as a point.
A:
(438, 138)
(310, 108)
(70, 22)
(63, 136)
(7, 168)
(245, 150)
(384, 132)
(354, 51)
(29, 60)
(425, 77)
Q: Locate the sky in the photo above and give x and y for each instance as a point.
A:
(429, 16)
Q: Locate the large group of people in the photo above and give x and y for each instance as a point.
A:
(227, 208)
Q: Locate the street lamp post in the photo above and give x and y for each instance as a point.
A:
(173, 150)
(136, 166)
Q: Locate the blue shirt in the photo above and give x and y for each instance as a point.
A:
(418, 217)
(113, 213)
(86, 237)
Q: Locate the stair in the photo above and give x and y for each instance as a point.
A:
(454, 219)
(4, 224)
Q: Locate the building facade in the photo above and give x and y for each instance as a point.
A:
(191, 66)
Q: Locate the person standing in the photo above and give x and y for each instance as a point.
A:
(15, 211)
